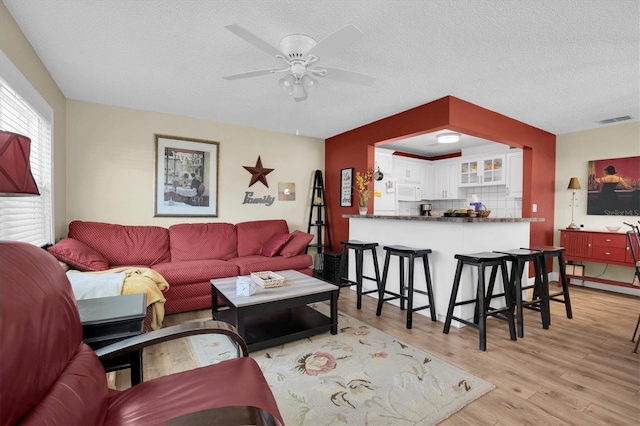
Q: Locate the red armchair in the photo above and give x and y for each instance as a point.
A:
(49, 376)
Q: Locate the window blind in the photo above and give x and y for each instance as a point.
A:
(28, 219)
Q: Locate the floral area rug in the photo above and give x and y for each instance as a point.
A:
(356, 377)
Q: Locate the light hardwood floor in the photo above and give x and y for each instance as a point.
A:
(579, 372)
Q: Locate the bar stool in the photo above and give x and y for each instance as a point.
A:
(359, 247)
(482, 308)
(411, 254)
(562, 296)
(540, 299)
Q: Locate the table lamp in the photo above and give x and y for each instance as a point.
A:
(15, 169)
(574, 185)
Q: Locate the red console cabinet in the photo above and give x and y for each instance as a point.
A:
(596, 246)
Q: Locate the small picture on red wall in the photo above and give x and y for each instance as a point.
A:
(614, 187)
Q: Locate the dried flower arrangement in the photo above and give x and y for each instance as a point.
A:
(363, 179)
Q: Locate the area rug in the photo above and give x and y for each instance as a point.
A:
(360, 376)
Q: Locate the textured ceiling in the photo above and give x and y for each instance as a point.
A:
(558, 65)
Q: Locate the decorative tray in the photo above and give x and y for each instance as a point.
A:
(267, 279)
(446, 214)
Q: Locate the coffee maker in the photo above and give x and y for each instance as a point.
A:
(425, 209)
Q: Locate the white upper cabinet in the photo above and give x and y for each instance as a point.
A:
(514, 170)
(482, 171)
(469, 173)
(427, 180)
(406, 170)
(384, 161)
(445, 182)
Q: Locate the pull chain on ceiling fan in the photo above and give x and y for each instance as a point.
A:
(299, 52)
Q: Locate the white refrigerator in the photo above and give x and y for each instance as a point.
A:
(385, 197)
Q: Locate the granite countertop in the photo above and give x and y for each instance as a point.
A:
(446, 219)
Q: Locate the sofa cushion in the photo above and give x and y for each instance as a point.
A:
(297, 243)
(193, 241)
(189, 297)
(274, 244)
(191, 271)
(124, 245)
(78, 255)
(252, 235)
(257, 263)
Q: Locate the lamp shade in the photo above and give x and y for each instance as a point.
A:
(15, 170)
(574, 183)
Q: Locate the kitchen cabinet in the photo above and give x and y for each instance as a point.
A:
(514, 175)
(469, 173)
(427, 180)
(384, 161)
(406, 170)
(446, 185)
(482, 171)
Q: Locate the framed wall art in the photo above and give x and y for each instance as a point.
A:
(346, 185)
(614, 187)
(286, 191)
(186, 177)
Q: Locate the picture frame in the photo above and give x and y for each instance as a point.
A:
(346, 187)
(614, 187)
(186, 177)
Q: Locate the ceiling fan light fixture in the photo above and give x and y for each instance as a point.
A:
(448, 137)
(309, 83)
(287, 82)
(298, 91)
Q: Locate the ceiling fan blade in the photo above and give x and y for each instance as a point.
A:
(349, 76)
(255, 40)
(336, 42)
(300, 99)
(251, 74)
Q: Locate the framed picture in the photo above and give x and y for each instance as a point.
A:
(614, 187)
(286, 191)
(186, 177)
(346, 185)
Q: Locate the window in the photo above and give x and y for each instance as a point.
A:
(24, 111)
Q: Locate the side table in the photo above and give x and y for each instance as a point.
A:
(108, 320)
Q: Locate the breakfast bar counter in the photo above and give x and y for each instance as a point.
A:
(446, 237)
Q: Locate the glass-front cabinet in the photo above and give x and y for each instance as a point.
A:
(484, 171)
(469, 173)
(493, 170)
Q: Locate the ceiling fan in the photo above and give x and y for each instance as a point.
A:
(300, 52)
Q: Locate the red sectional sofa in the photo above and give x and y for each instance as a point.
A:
(186, 255)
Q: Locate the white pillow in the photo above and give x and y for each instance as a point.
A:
(86, 285)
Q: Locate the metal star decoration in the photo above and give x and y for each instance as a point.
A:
(258, 173)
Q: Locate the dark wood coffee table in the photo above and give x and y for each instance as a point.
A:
(273, 316)
(107, 320)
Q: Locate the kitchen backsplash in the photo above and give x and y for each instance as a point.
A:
(493, 197)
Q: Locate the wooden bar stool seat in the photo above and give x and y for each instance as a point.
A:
(359, 247)
(483, 297)
(411, 254)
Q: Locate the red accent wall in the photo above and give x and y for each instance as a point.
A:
(355, 148)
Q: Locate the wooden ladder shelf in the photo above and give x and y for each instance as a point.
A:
(318, 218)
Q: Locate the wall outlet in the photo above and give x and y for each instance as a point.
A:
(534, 208)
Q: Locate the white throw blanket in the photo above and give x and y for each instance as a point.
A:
(90, 286)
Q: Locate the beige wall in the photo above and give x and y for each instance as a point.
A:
(110, 166)
(18, 49)
(573, 152)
